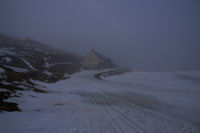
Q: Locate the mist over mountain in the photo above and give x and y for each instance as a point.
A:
(99, 66)
(144, 35)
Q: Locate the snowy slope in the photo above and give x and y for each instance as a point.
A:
(23, 60)
(118, 104)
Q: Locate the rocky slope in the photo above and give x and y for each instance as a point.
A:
(23, 61)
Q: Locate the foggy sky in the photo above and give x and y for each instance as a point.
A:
(141, 34)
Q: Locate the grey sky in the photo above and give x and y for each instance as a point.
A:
(142, 34)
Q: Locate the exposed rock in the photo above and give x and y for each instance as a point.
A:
(95, 60)
(23, 61)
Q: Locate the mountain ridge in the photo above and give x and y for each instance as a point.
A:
(23, 61)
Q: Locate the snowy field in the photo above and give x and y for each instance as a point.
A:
(136, 102)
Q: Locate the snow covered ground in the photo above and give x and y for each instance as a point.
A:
(136, 102)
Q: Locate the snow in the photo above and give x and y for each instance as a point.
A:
(3, 90)
(159, 79)
(47, 65)
(136, 102)
(2, 70)
(17, 69)
(2, 75)
(47, 73)
(179, 89)
(27, 63)
(4, 51)
(38, 49)
(61, 63)
(7, 59)
(5, 83)
(67, 75)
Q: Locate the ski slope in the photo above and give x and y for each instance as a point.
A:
(136, 102)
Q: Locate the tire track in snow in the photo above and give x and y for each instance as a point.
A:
(115, 126)
(162, 119)
(118, 114)
(182, 125)
(89, 123)
(123, 117)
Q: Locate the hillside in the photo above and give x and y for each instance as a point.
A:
(95, 60)
(23, 61)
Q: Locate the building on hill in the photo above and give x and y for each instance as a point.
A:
(95, 60)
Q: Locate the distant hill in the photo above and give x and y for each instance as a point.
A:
(95, 60)
(24, 60)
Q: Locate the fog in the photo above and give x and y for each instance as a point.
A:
(150, 35)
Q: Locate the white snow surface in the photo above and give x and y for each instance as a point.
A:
(27, 63)
(17, 69)
(4, 51)
(2, 70)
(7, 59)
(137, 102)
(47, 65)
(47, 73)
